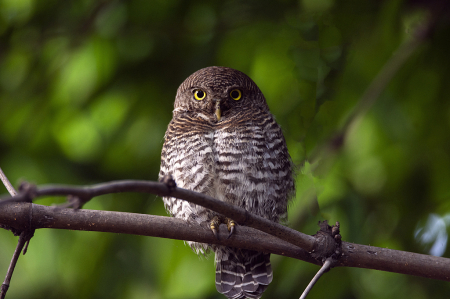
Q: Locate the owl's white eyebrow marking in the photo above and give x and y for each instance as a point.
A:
(201, 115)
(179, 109)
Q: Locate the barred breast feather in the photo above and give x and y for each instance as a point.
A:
(245, 164)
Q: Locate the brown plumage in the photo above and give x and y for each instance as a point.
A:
(224, 142)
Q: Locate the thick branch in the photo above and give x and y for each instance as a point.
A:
(27, 215)
(370, 257)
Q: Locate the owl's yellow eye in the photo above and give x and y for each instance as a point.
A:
(199, 94)
(236, 94)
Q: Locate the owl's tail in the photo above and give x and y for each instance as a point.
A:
(242, 273)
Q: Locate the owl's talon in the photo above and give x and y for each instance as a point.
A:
(231, 225)
(231, 232)
(215, 232)
(214, 226)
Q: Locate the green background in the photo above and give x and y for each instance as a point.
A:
(87, 90)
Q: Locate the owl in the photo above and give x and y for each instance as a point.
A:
(224, 142)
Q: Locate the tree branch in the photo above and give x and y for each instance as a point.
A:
(27, 215)
(240, 215)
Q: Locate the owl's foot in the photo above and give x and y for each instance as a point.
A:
(214, 225)
(230, 225)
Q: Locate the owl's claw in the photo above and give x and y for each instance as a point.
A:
(215, 232)
(231, 225)
(214, 225)
(231, 232)
(216, 221)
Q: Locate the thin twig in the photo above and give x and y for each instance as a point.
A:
(326, 266)
(7, 184)
(12, 265)
(24, 241)
(24, 238)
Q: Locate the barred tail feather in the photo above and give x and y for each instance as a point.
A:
(242, 273)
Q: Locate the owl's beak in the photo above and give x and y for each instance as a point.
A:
(218, 110)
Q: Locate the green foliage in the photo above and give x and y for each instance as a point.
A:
(86, 93)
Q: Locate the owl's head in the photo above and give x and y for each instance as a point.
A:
(219, 93)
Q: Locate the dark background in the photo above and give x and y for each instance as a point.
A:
(87, 90)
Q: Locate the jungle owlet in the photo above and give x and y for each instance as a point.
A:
(223, 142)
